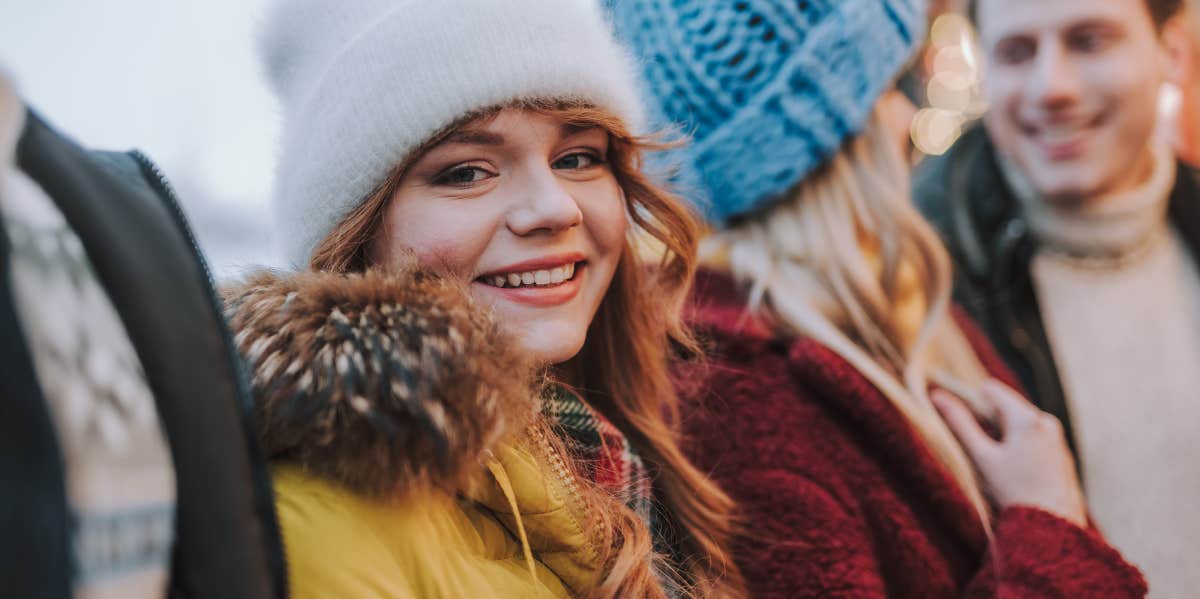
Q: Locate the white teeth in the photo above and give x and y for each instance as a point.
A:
(552, 276)
(1060, 134)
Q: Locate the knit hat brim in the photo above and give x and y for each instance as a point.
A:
(762, 118)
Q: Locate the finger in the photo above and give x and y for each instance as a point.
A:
(1011, 407)
(963, 424)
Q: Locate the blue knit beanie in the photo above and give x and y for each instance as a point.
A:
(767, 90)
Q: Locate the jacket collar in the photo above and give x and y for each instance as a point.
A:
(892, 440)
(532, 491)
(718, 309)
(361, 378)
(1184, 208)
(718, 305)
(987, 222)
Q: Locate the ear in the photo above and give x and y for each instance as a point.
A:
(1180, 49)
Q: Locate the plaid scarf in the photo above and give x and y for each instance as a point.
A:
(603, 453)
(607, 459)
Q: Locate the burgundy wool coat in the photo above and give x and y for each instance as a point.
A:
(838, 495)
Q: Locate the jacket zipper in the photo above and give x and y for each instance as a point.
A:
(164, 187)
(270, 524)
(559, 469)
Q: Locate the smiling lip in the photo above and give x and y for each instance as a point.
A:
(542, 296)
(1057, 152)
(538, 264)
(1070, 148)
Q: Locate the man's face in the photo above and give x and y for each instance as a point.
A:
(1073, 87)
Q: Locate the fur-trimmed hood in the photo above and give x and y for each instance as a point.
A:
(380, 382)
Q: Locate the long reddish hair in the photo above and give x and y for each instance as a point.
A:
(623, 370)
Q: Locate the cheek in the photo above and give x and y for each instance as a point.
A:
(1002, 119)
(440, 235)
(605, 217)
(1128, 96)
(1001, 126)
(1002, 87)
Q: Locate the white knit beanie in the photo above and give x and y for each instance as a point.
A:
(363, 83)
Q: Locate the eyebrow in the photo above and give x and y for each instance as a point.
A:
(569, 129)
(1097, 23)
(475, 137)
(1090, 22)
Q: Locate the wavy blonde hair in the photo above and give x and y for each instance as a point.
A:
(623, 370)
(843, 259)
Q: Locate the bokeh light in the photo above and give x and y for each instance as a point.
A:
(953, 90)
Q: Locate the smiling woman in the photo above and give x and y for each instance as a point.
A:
(510, 173)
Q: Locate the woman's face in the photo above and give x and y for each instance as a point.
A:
(526, 208)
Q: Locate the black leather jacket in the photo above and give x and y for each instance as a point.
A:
(227, 542)
(964, 196)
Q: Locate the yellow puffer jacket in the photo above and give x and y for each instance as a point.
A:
(430, 544)
(405, 463)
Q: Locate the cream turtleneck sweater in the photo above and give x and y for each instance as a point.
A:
(1120, 297)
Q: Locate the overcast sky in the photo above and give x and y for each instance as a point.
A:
(179, 80)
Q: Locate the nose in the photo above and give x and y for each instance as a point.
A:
(548, 207)
(1054, 80)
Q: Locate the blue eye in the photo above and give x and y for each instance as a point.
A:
(576, 161)
(462, 176)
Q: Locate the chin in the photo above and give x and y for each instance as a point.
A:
(1070, 188)
(549, 344)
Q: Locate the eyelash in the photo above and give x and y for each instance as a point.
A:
(592, 155)
(445, 177)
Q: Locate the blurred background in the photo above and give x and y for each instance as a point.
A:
(178, 80)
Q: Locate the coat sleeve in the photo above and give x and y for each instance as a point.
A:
(1036, 554)
(817, 546)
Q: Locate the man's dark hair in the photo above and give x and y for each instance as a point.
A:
(1160, 10)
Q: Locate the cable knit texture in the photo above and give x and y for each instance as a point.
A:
(363, 83)
(767, 89)
(839, 495)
